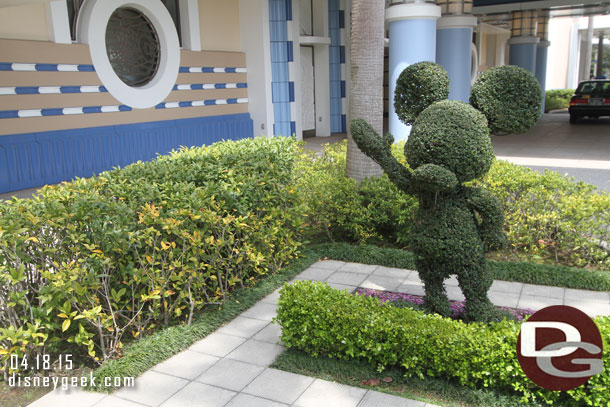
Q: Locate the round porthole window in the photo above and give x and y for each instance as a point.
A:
(134, 48)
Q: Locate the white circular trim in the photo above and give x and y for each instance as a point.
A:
(474, 63)
(91, 29)
(412, 11)
(526, 39)
(456, 22)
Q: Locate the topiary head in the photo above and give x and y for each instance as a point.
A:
(510, 97)
(418, 86)
(453, 135)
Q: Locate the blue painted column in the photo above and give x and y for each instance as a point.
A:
(412, 39)
(453, 52)
(541, 58)
(523, 52)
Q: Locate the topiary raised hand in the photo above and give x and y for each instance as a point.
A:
(456, 225)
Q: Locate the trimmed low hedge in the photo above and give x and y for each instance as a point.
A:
(321, 320)
(97, 261)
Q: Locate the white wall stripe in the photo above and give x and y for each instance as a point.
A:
(49, 89)
(23, 67)
(30, 113)
(10, 90)
(109, 109)
(72, 110)
(90, 89)
(67, 68)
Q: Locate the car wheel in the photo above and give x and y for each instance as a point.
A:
(573, 118)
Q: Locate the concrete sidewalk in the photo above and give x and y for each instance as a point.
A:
(230, 367)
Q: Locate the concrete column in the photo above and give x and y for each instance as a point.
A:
(523, 39)
(254, 23)
(585, 70)
(321, 69)
(453, 52)
(523, 52)
(599, 72)
(542, 50)
(412, 39)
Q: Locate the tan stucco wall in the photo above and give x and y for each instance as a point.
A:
(27, 22)
(219, 23)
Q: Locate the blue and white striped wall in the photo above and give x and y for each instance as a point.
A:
(338, 71)
(282, 67)
(58, 121)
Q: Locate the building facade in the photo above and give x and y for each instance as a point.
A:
(88, 85)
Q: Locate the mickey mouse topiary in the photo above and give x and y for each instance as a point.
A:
(418, 86)
(456, 225)
(510, 97)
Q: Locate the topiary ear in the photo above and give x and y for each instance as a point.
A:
(510, 97)
(418, 86)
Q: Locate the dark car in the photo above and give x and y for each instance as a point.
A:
(591, 99)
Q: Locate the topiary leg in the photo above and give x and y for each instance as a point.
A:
(474, 283)
(436, 298)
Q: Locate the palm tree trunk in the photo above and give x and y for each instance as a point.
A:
(366, 96)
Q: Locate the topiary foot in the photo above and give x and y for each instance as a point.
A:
(437, 305)
(484, 311)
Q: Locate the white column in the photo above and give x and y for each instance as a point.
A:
(412, 39)
(58, 22)
(189, 25)
(254, 24)
(321, 69)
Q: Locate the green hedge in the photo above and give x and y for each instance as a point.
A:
(548, 217)
(321, 320)
(557, 99)
(341, 210)
(95, 262)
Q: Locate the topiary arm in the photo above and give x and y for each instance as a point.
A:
(380, 150)
(491, 227)
(434, 178)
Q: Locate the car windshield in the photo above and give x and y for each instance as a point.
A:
(597, 88)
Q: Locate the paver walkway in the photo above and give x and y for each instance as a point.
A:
(230, 366)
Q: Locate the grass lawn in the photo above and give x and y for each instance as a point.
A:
(20, 397)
